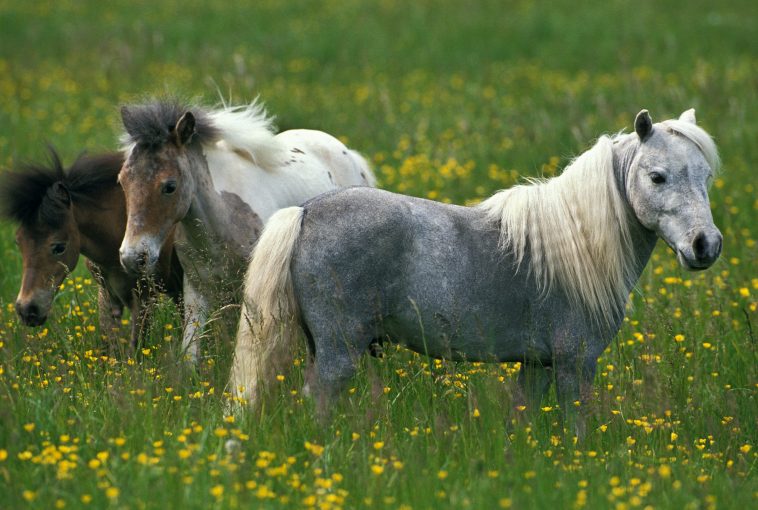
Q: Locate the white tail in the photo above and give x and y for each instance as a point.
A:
(268, 329)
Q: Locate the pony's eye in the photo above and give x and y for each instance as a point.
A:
(168, 187)
(58, 248)
(657, 178)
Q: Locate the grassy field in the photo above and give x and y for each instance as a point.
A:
(451, 101)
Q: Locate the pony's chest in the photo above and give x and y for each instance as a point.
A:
(211, 264)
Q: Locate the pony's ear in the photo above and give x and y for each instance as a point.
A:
(184, 129)
(128, 120)
(643, 125)
(688, 116)
(60, 192)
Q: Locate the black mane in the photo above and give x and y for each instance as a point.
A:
(151, 125)
(41, 191)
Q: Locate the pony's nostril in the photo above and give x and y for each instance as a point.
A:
(700, 246)
(134, 261)
(27, 311)
(141, 260)
(706, 247)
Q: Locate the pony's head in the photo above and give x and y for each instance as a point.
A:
(39, 200)
(667, 186)
(163, 142)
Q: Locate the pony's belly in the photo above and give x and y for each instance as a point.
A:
(486, 343)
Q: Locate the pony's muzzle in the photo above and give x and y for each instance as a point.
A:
(703, 250)
(141, 260)
(30, 313)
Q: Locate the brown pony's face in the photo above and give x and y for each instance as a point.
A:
(158, 187)
(48, 255)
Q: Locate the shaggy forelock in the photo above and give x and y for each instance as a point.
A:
(22, 191)
(52, 210)
(699, 137)
(150, 125)
(28, 194)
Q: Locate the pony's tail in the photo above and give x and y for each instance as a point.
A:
(268, 327)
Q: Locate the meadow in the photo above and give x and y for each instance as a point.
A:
(450, 101)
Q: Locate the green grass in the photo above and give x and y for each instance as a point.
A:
(452, 101)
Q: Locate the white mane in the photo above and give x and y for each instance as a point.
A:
(576, 227)
(249, 130)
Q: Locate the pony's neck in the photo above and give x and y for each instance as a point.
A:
(205, 209)
(101, 225)
(213, 223)
(643, 241)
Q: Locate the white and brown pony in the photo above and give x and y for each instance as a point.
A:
(218, 175)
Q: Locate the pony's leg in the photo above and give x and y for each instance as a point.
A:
(109, 306)
(573, 379)
(333, 369)
(309, 374)
(142, 308)
(534, 380)
(336, 363)
(110, 316)
(195, 316)
(137, 323)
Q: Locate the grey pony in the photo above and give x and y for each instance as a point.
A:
(355, 266)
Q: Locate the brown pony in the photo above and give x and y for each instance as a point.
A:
(64, 212)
